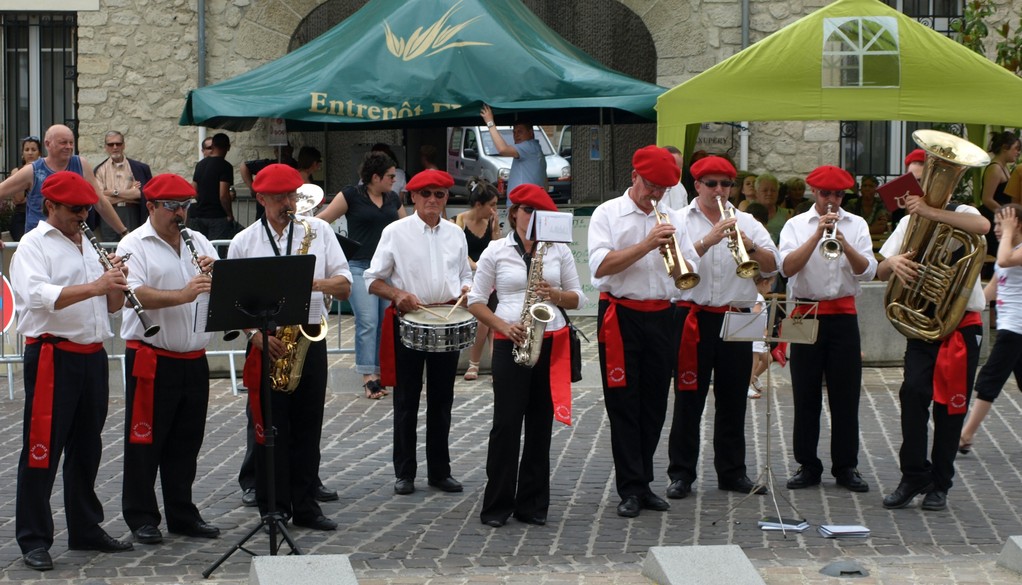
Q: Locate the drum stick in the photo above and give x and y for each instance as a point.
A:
(432, 312)
(451, 312)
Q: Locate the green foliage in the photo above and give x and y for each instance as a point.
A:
(972, 30)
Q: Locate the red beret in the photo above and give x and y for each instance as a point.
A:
(529, 195)
(656, 165)
(69, 189)
(918, 155)
(168, 186)
(712, 165)
(276, 179)
(830, 178)
(430, 178)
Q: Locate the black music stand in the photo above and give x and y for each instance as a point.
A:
(243, 297)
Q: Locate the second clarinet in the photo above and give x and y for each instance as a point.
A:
(187, 237)
(147, 322)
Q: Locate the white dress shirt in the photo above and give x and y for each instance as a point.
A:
(156, 265)
(502, 268)
(618, 224)
(429, 262)
(720, 285)
(330, 261)
(676, 197)
(892, 247)
(821, 279)
(44, 263)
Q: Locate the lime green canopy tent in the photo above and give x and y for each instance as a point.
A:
(417, 63)
(851, 60)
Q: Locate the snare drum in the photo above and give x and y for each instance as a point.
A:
(423, 331)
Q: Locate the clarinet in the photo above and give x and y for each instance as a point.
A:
(187, 237)
(147, 322)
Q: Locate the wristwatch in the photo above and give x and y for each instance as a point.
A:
(489, 124)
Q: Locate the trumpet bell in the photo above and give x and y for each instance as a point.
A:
(749, 269)
(687, 281)
(831, 249)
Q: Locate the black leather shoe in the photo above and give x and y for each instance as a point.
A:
(248, 497)
(935, 500)
(629, 507)
(324, 494)
(447, 484)
(803, 478)
(531, 519)
(742, 485)
(102, 543)
(851, 479)
(679, 489)
(654, 502)
(147, 534)
(903, 494)
(403, 487)
(38, 559)
(199, 530)
(320, 522)
(495, 522)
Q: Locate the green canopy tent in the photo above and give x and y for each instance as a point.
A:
(426, 63)
(851, 60)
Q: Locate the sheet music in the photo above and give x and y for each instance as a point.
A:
(201, 313)
(317, 307)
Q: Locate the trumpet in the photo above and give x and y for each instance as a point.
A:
(148, 326)
(187, 237)
(830, 247)
(672, 257)
(747, 268)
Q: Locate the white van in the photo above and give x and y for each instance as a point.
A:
(471, 153)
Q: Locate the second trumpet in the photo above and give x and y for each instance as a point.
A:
(830, 247)
(747, 267)
(686, 279)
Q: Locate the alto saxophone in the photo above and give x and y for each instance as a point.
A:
(535, 313)
(286, 371)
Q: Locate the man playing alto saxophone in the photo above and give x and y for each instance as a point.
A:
(298, 415)
(168, 391)
(636, 349)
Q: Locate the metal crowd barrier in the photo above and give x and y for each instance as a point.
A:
(12, 346)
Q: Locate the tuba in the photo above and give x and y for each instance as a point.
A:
(931, 307)
(535, 313)
(286, 372)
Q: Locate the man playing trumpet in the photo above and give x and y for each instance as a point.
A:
(826, 252)
(727, 242)
(627, 243)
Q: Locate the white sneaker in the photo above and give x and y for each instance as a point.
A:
(753, 393)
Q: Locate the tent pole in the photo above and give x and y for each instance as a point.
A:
(610, 153)
(201, 82)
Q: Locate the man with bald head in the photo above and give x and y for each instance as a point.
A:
(60, 156)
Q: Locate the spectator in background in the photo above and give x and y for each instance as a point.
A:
(743, 189)
(207, 146)
(481, 227)
(794, 193)
(676, 196)
(31, 151)
(766, 195)
(400, 177)
(529, 164)
(250, 168)
(309, 162)
(868, 206)
(1004, 151)
(121, 181)
(428, 157)
(213, 214)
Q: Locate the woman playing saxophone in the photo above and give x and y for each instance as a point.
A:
(530, 394)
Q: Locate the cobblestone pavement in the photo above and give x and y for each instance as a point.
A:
(436, 538)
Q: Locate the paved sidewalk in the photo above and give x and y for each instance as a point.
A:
(436, 538)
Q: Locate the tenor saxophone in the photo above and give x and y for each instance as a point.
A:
(535, 313)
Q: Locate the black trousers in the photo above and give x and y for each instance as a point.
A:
(637, 411)
(916, 395)
(440, 369)
(837, 357)
(520, 395)
(1005, 359)
(80, 397)
(180, 397)
(298, 420)
(730, 364)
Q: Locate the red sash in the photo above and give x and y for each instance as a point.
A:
(41, 425)
(951, 367)
(610, 334)
(841, 306)
(388, 367)
(252, 377)
(688, 350)
(144, 371)
(560, 372)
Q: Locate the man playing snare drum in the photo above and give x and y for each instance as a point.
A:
(421, 260)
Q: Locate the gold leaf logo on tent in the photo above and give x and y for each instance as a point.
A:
(434, 39)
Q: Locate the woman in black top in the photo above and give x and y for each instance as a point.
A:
(481, 227)
(369, 208)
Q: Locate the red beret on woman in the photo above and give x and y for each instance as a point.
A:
(430, 178)
(712, 165)
(528, 195)
(276, 179)
(656, 165)
(830, 178)
(69, 188)
(168, 186)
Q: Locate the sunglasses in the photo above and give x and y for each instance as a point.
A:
(173, 206)
(653, 187)
(827, 193)
(437, 194)
(713, 184)
(76, 208)
(30, 138)
(115, 144)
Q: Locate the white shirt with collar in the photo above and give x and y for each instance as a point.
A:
(892, 247)
(252, 242)
(676, 197)
(45, 262)
(429, 262)
(155, 264)
(502, 268)
(719, 283)
(821, 279)
(618, 224)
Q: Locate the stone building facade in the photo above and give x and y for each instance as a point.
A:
(137, 59)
